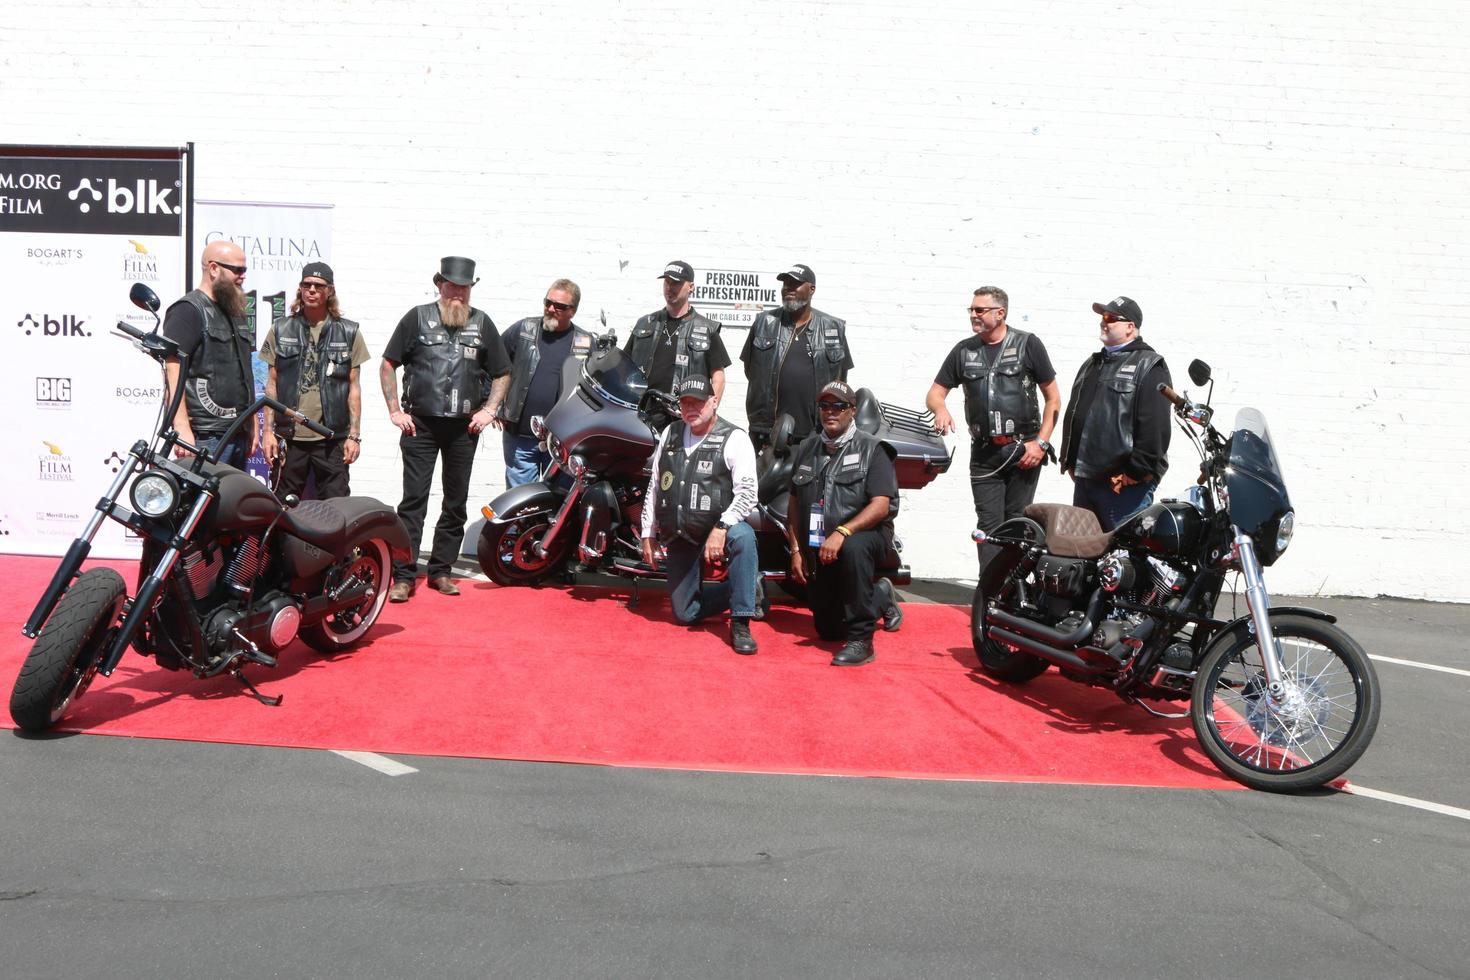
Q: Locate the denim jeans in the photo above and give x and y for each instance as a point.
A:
(524, 459)
(1111, 508)
(694, 599)
(236, 454)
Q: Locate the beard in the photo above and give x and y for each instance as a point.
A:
(229, 297)
(456, 312)
(794, 305)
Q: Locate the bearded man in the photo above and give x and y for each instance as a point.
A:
(211, 329)
(455, 375)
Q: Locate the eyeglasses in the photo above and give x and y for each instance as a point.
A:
(978, 310)
(308, 287)
(1110, 318)
(833, 406)
(238, 270)
(559, 307)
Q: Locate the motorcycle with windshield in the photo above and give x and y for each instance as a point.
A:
(229, 574)
(600, 435)
(1280, 698)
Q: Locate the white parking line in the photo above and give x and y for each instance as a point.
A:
(381, 763)
(1378, 794)
(1415, 663)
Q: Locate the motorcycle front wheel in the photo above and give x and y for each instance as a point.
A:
(1308, 736)
(369, 567)
(507, 552)
(63, 660)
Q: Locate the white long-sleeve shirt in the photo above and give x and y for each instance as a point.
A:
(739, 457)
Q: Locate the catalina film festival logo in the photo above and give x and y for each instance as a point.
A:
(139, 264)
(54, 465)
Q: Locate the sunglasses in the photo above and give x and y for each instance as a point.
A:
(559, 307)
(826, 406)
(1110, 318)
(978, 310)
(308, 287)
(238, 270)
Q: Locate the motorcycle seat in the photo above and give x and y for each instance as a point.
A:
(773, 475)
(869, 412)
(318, 522)
(1071, 532)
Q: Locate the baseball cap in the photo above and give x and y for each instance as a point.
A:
(694, 386)
(799, 273)
(678, 271)
(320, 270)
(838, 389)
(1123, 308)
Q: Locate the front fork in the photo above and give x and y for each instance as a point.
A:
(543, 547)
(1259, 602)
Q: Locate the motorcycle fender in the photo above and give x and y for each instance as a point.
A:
(368, 518)
(528, 498)
(1243, 623)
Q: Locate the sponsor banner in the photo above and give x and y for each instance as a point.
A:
(278, 239)
(77, 228)
(732, 297)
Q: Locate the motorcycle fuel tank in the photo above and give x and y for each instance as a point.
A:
(1170, 527)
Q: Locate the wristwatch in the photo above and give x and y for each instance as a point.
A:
(1045, 446)
(722, 525)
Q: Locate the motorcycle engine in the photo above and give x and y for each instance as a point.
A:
(271, 625)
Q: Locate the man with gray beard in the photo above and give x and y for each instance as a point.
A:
(455, 375)
(791, 352)
(210, 327)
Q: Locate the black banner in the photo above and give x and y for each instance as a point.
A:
(91, 195)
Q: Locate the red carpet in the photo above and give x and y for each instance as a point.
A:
(572, 675)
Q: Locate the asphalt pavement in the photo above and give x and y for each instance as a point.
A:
(134, 858)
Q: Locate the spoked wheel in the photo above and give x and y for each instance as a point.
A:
(368, 568)
(1307, 735)
(63, 660)
(507, 552)
(995, 659)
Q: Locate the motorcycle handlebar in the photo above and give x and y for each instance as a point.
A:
(131, 330)
(1178, 400)
(300, 419)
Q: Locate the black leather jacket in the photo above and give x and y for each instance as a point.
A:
(220, 382)
(770, 339)
(334, 360)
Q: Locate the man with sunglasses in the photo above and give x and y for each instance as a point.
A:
(210, 325)
(538, 347)
(1115, 438)
(1001, 369)
(314, 357)
(839, 524)
(676, 342)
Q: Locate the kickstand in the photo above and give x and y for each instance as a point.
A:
(238, 675)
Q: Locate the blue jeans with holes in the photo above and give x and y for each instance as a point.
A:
(694, 599)
(524, 459)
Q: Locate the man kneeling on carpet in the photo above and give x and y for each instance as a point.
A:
(844, 496)
(702, 487)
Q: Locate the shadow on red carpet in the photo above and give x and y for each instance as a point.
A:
(574, 675)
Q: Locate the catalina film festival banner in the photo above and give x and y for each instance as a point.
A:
(278, 239)
(79, 226)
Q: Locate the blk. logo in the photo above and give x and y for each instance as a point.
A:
(67, 325)
(113, 462)
(143, 197)
(53, 391)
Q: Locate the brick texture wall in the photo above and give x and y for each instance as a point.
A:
(1279, 185)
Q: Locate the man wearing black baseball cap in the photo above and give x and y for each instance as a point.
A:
(455, 375)
(702, 486)
(676, 342)
(314, 356)
(1115, 437)
(790, 352)
(839, 524)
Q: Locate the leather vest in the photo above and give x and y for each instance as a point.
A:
(1105, 440)
(528, 356)
(334, 369)
(1006, 388)
(839, 482)
(693, 491)
(220, 382)
(770, 339)
(442, 375)
(691, 346)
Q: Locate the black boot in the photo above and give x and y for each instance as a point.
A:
(740, 637)
(855, 653)
(889, 610)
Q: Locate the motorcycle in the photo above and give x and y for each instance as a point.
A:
(600, 436)
(1280, 698)
(229, 574)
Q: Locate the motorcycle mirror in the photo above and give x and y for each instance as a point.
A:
(144, 298)
(1199, 372)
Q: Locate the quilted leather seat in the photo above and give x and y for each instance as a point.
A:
(1071, 532)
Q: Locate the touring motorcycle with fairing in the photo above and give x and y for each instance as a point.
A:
(229, 574)
(588, 506)
(1280, 698)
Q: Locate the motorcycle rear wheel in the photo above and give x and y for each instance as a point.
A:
(507, 551)
(63, 660)
(370, 564)
(995, 659)
(1324, 726)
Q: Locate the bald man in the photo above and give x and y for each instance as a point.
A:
(210, 326)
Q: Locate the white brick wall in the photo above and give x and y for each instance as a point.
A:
(1279, 185)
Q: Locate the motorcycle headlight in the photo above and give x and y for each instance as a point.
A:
(576, 466)
(538, 426)
(154, 494)
(1284, 529)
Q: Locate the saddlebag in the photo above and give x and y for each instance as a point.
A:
(1062, 576)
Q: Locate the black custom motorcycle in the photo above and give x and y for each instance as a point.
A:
(1280, 698)
(600, 435)
(229, 575)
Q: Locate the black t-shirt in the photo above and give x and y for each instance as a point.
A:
(492, 357)
(183, 324)
(796, 386)
(545, 389)
(951, 372)
(661, 369)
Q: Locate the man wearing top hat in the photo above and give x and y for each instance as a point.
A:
(314, 356)
(676, 342)
(1115, 438)
(455, 375)
(790, 353)
(701, 489)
